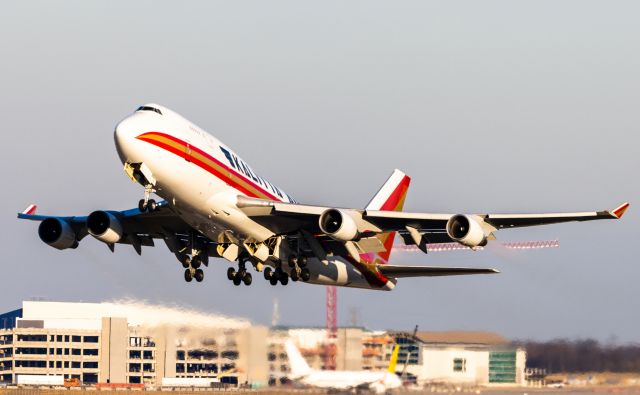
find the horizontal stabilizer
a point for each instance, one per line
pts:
(430, 271)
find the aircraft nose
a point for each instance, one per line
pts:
(124, 136)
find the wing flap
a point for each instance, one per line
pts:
(431, 271)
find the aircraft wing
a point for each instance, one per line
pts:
(415, 228)
(399, 271)
(138, 228)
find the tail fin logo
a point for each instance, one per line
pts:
(394, 359)
(390, 197)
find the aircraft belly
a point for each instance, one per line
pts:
(337, 272)
(204, 201)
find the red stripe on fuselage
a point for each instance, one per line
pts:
(183, 154)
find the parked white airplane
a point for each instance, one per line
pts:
(379, 382)
(216, 205)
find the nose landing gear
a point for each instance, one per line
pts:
(146, 204)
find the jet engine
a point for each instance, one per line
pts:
(57, 233)
(104, 227)
(466, 230)
(338, 224)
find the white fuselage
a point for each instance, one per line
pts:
(379, 381)
(201, 178)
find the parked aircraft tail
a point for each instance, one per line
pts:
(390, 197)
(299, 367)
(394, 359)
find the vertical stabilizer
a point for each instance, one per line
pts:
(299, 367)
(394, 359)
(390, 197)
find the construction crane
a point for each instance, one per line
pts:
(330, 347)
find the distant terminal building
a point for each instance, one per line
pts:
(461, 358)
(140, 344)
(128, 342)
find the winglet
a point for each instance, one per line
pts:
(30, 210)
(618, 212)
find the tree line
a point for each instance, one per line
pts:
(577, 356)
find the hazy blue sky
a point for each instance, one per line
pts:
(489, 106)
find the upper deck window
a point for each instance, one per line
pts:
(146, 108)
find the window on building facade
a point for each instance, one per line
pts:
(90, 351)
(460, 365)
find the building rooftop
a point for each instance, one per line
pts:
(466, 338)
(89, 315)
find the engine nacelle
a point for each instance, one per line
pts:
(466, 230)
(57, 233)
(338, 224)
(104, 227)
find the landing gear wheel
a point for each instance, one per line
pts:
(142, 205)
(188, 276)
(292, 261)
(186, 261)
(284, 279)
(268, 273)
(302, 261)
(199, 275)
(247, 279)
(294, 275)
(231, 273)
(237, 280)
(196, 262)
(152, 205)
(274, 280)
(305, 275)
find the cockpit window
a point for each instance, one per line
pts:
(146, 108)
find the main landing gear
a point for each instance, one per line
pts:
(239, 276)
(298, 271)
(192, 268)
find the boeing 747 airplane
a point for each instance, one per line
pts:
(215, 205)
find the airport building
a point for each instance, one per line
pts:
(461, 358)
(139, 344)
(130, 343)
